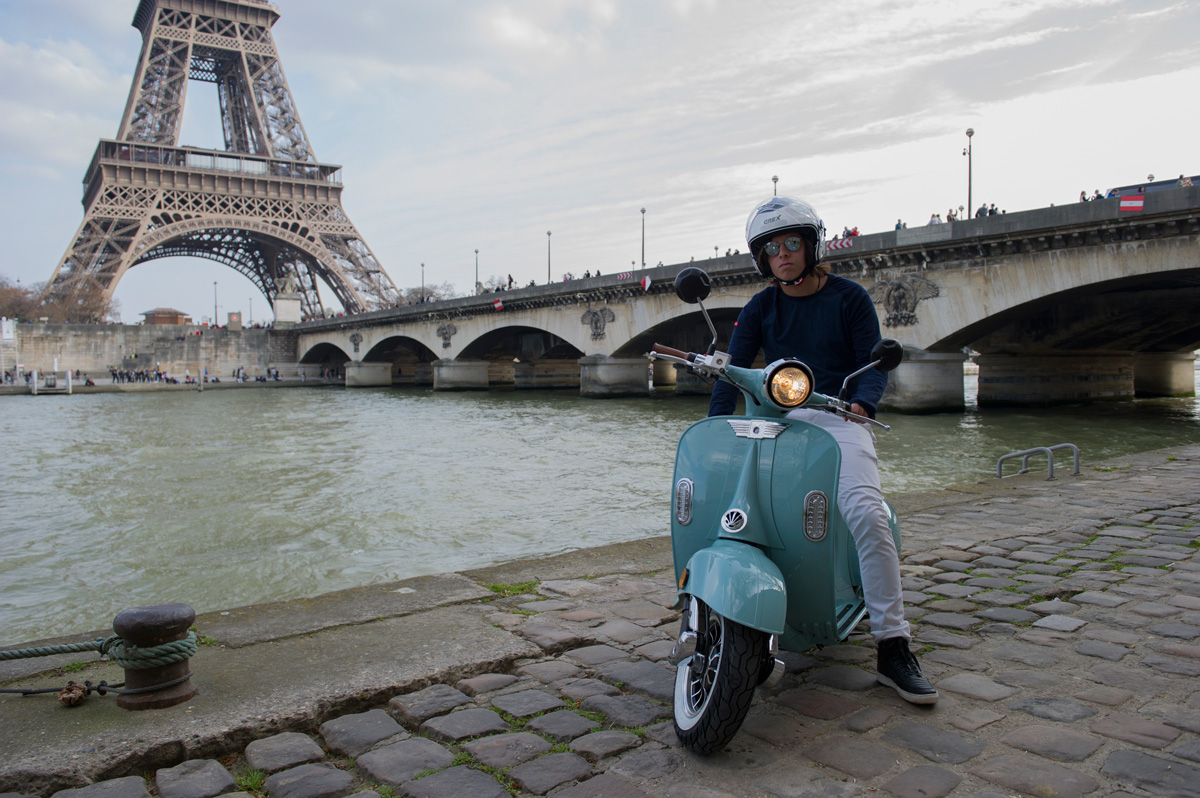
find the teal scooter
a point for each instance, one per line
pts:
(764, 561)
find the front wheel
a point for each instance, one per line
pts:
(714, 686)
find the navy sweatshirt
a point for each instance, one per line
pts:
(832, 331)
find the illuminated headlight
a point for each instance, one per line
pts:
(789, 383)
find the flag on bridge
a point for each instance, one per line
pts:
(497, 304)
(646, 283)
(1133, 202)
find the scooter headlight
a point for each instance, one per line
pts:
(789, 383)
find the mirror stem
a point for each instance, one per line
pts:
(713, 346)
(846, 382)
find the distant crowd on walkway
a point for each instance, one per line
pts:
(121, 376)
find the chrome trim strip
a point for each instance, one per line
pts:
(816, 516)
(684, 490)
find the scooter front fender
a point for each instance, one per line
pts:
(739, 582)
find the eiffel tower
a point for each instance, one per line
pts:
(263, 206)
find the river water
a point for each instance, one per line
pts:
(233, 497)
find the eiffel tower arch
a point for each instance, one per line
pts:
(263, 206)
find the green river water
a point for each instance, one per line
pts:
(227, 498)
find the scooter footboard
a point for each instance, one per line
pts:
(739, 582)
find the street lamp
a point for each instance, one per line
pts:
(643, 238)
(214, 303)
(422, 282)
(476, 272)
(775, 185)
(548, 280)
(715, 250)
(967, 152)
(251, 303)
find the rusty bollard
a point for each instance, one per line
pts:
(153, 626)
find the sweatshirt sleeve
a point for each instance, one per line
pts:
(743, 348)
(864, 326)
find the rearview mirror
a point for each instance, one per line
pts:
(692, 285)
(890, 352)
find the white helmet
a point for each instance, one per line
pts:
(784, 215)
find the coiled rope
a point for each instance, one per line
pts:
(129, 657)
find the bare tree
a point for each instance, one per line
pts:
(434, 292)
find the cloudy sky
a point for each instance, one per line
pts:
(484, 123)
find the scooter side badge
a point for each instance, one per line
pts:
(757, 428)
(816, 515)
(683, 501)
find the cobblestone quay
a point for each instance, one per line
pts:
(1059, 619)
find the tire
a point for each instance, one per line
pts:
(711, 705)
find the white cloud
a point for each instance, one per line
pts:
(485, 124)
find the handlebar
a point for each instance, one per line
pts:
(662, 349)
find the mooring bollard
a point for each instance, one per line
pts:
(144, 627)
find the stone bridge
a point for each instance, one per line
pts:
(1072, 303)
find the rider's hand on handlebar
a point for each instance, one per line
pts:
(858, 410)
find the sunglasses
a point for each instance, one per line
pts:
(793, 244)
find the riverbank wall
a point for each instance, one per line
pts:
(94, 349)
(1060, 619)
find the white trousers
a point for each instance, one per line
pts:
(860, 500)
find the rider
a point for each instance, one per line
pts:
(829, 323)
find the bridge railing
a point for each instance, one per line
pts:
(1046, 227)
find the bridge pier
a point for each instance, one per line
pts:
(545, 374)
(665, 375)
(603, 376)
(687, 384)
(926, 382)
(1165, 374)
(364, 374)
(460, 375)
(1025, 380)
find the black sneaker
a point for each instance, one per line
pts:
(898, 668)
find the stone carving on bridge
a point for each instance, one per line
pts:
(446, 332)
(597, 319)
(356, 339)
(900, 298)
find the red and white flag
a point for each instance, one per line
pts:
(497, 304)
(645, 283)
(1132, 203)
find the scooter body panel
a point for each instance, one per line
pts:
(740, 583)
(784, 480)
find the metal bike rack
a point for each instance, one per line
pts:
(1046, 450)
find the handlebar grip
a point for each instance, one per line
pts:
(661, 349)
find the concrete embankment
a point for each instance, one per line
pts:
(1058, 618)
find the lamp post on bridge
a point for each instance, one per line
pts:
(548, 280)
(214, 303)
(774, 185)
(967, 152)
(643, 238)
(476, 272)
(422, 282)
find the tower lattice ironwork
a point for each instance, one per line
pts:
(263, 206)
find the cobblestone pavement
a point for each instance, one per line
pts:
(1060, 626)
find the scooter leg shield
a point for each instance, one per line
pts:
(739, 582)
